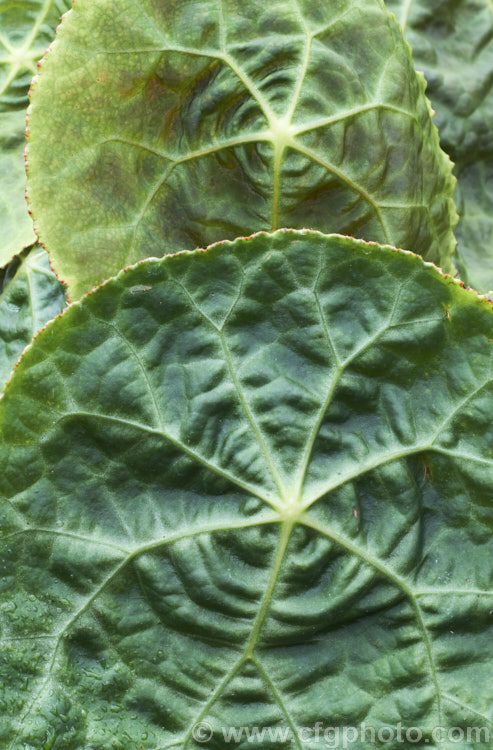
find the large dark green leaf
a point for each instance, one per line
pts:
(250, 486)
(452, 43)
(26, 29)
(30, 295)
(163, 125)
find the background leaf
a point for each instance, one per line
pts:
(157, 126)
(251, 486)
(30, 295)
(452, 43)
(26, 29)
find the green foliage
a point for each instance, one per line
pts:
(30, 295)
(156, 126)
(271, 503)
(249, 486)
(452, 43)
(26, 30)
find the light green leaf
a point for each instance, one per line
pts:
(26, 29)
(157, 126)
(453, 44)
(250, 487)
(30, 295)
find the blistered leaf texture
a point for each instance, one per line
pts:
(453, 44)
(269, 504)
(26, 29)
(30, 295)
(162, 125)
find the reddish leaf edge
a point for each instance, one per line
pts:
(471, 295)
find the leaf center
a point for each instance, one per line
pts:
(291, 511)
(282, 132)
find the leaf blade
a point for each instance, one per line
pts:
(452, 45)
(27, 28)
(30, 295)
(256, 119)
(176, 594)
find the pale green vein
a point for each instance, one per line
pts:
(261, 136)
(255, 632)
(181, 160)
(151, 24)
(314, 433)
(287, 528)
(126, 142)
(39, 22)
(251, 87)
(279, 699)
(280, 145)
(323, 319)
(301, 129)
(459, 408)
(472, 710)
(156, 544)
(463, 456)
(42, 271)
(214, 55)
(390, 575)
(234, 304)
(41, 637)
(28, 59)
(417, 322)
(241, 395)
(451, 592)
(304, 65)
(143, 370)
(37, 697)
(329, 26)
(205, 529)
(87, 604)
(20, 55)
(6, 45)
(13, 507)
(222, 26)
(9, 79)
(347, 181)
(224, 57)
(178, 444)
(405, 13)
(66, 534)
(250, 416)
(340, 370)
(371, 466)
(212, 699)
(155, 190)
(419, 206)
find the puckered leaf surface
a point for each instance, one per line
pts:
(269, 504)
(164, 125)
(30, 295)
(26, 29)
(453, 44)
